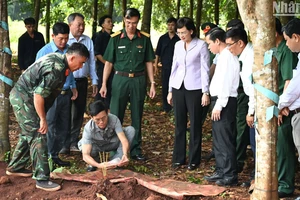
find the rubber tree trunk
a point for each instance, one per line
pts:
(259, 20)
(191, 10)
(37, 7)
(178, 8)
(217, 11)
(48, 3)
(146, 22)
(95, 16)
(5, 69)
(198, 16)
(111, 7)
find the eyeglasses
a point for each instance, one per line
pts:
(102, 119)
(182, 33)
(229, 45)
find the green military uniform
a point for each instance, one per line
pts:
(242, 129)
(44, 77)
(129, 56)
(286, 158)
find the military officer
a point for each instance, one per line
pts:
(130, 52)
(31, 97)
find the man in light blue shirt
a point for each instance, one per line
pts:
(58, 116)
(77, 27)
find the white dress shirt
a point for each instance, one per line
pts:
(89, 67)
(291, 96)
(226, 78)
(247, 58)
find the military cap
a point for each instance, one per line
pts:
(205, 27)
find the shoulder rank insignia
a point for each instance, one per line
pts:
(145, 34)
(115, 34)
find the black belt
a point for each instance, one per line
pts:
(81, 79)
(130, 75)
(297, 110)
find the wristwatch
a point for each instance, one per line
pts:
(206, 93)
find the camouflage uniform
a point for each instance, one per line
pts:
(44, 77)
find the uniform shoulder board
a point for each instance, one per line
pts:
(145, 34)
(115, 34)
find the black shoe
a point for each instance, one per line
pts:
(283, 194)
(139, 157)
(60, 162)
(22, 172)
(90, 168)
(214, 177)
(176, 165)
(246, 184)
(47, 185)
(227, 181)
(65, 151)
(192, 167)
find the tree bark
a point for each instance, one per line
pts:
(37, 7)
(5, 69)
(146, 22)
(191, 10)
(124, 7)
(258, 18)
(198, 16)
(95, 16)
(178, 9)
(48, 2)
(217, 10)
(111, 7)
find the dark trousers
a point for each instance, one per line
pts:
(165, 76)
(126, 89)
(187, 102)
(242, 129)
(286, 157)
(224, 139)
(59, 120)
(108, 86)
(77, 111)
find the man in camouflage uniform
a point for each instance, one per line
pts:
(31, 97)
(130, 52)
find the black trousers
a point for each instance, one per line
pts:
(77, 111)
(165, 76)
(187, 102)
(224, 139)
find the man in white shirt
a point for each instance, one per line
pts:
(289, 101)
(238, 45)
(77, 26)
(223, 90)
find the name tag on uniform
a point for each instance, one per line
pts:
(121, 47)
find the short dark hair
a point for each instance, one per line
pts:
(216, 33)
(172, 19)
(237, 34)
(96, 107)
(29, 21)
(78, 48)
(60, 28)
(72, 17)
(235, 23)
(278, 26)
(102, 19)
(292, 27)
(188, 23)
(132, 12)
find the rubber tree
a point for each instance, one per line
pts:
(146, 21)
(5, 71)
(259, 20)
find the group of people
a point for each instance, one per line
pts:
(49, 99)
